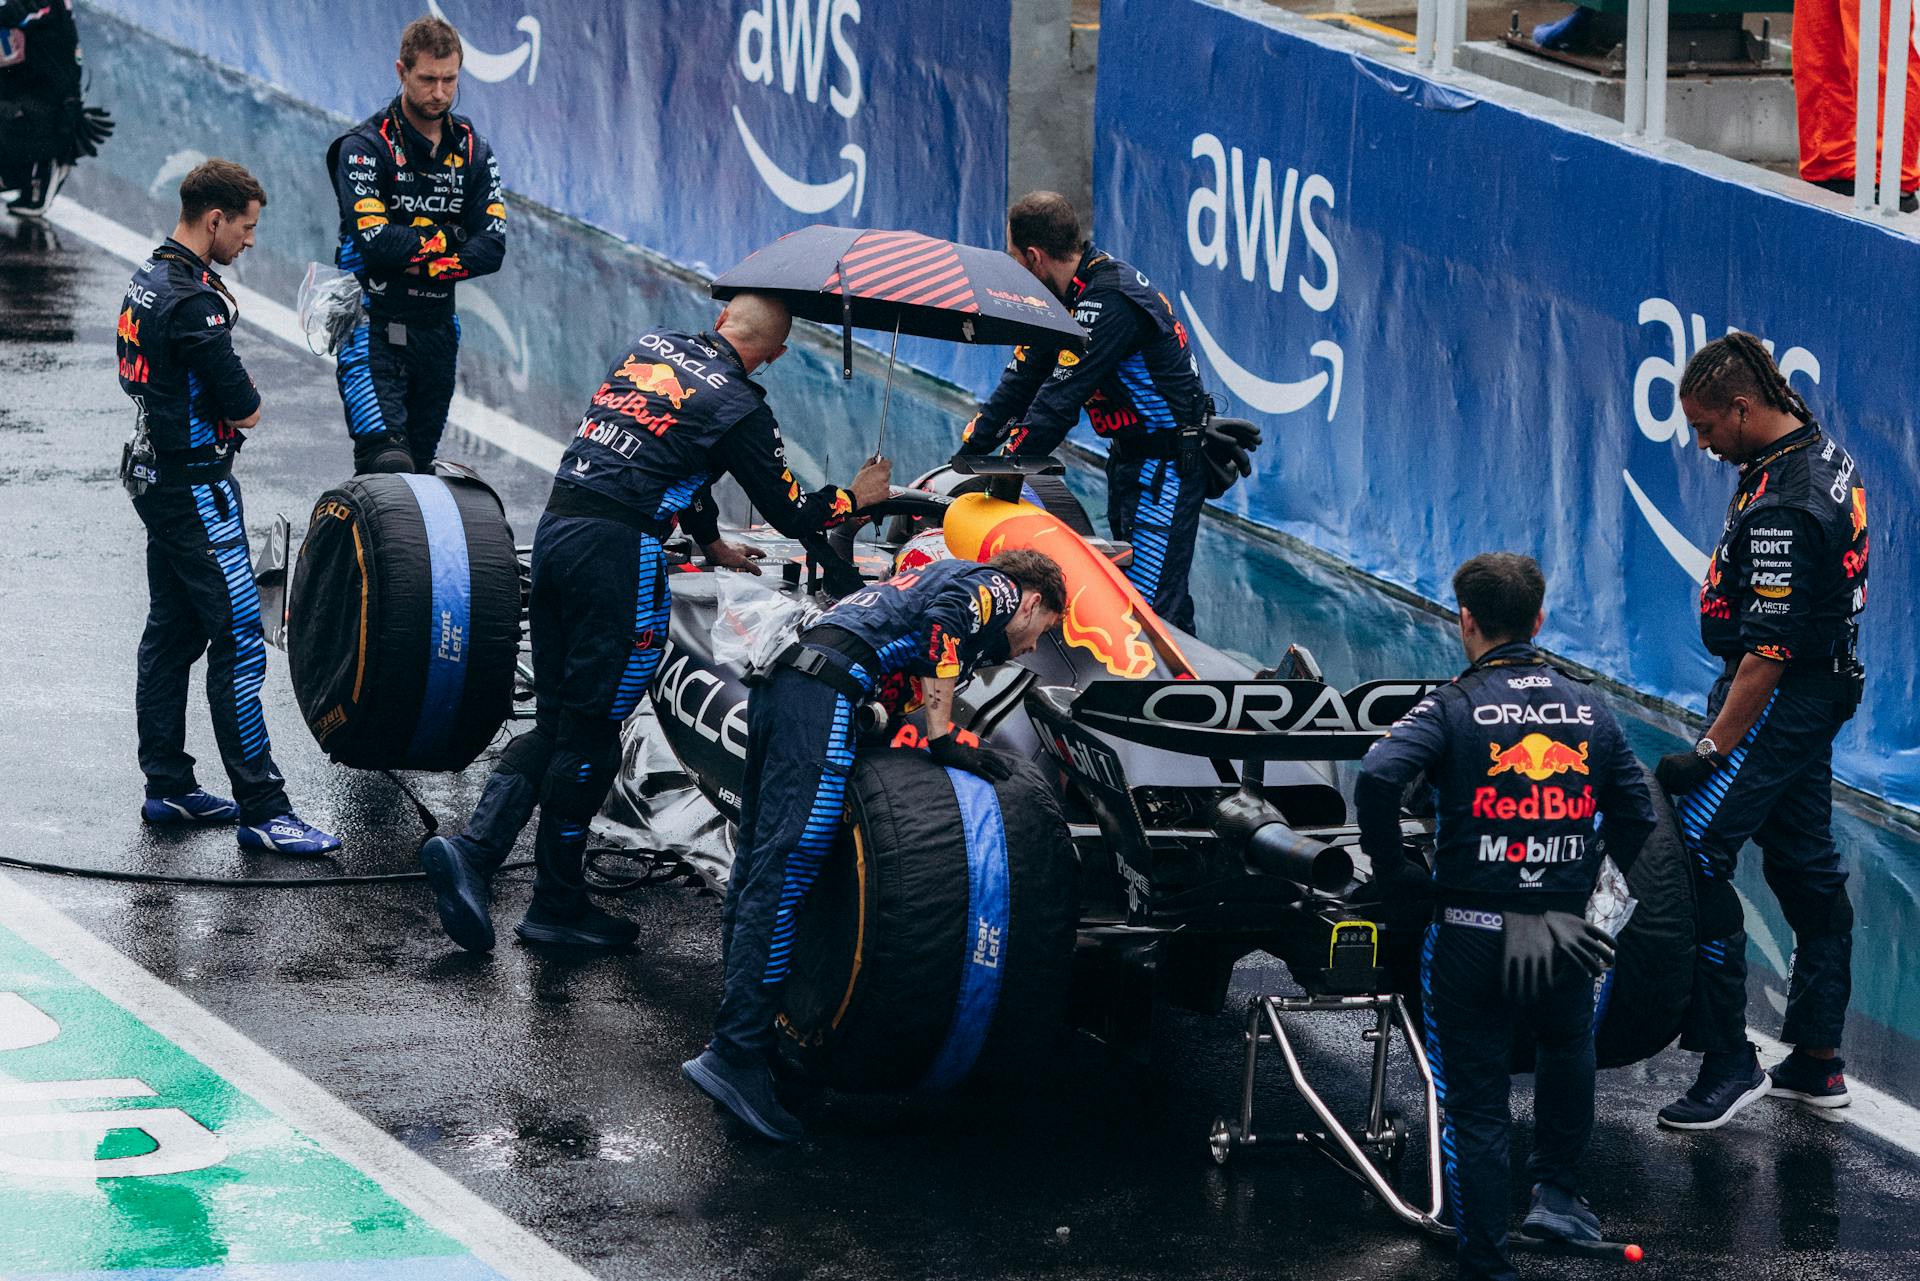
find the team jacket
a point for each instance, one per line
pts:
(39, 50)
(676, 411)
(943, 620)
(1136, 379)
(414, 219)
(1522, 760)
(175, 339)
(1789, 577)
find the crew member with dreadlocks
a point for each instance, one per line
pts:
(1780, 607)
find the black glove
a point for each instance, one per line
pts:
(95, 127)
(1581, 941)
(973, 440)
(1227, 447)
(1681, 772)
(971, 757)
(1529, 952)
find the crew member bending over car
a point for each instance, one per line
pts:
(1138, 384)
(192, 399)
(938, 623)
(675, 411)
(1521, 759)
(1780, 608)
(420, 208)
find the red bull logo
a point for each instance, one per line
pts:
(447, 266)
(434, 245)
(128, 329)
(1536, 757)
(1549, 804)
(656, 380)
(842, 500)
(1859, 511)
(1102, 624)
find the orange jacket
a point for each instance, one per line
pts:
(1826, 39)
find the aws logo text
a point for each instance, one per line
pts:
(1244, 213)
(785, 44)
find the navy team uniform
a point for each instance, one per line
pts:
(414, 219)
(676, 411)
(178, 364)
(1141, 391)
(1787, 581)
(942, 621)
(1523, 759)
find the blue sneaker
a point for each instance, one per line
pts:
(286, 835)
(1728, 1084)
(459, 894)
(745, 1092)
(1559, 1214)
(189, 809)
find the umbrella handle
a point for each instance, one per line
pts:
(846, 323)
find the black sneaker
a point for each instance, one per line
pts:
(745, 1092)
(588, 927)
(1559, 1214)
(1727, 1083)
(1819, 1082)
(42, 185)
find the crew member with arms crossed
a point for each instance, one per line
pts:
(1138, 384)
(420, 208)
(1780, 608)
(938, 623)
(675, 411)
(1521, 759)
(192, 399)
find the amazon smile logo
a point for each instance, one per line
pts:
(1242, 216)
(496, 67)
(801, 47)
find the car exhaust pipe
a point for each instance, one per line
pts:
(1252, 827)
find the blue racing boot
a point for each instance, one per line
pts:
(745, 1092)
(1560, 1214)
(195, 808)
(286, 835)
(460, 894)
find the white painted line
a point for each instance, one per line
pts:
(1875, 1111)
(409, 1178)
(281, 321)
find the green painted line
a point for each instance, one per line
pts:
(126, 1154)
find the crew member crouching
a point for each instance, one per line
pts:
(938, 623)
(1521, 758)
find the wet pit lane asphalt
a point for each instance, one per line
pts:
(549, 1084)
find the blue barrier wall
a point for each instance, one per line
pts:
(1462, 327)
(700, 129)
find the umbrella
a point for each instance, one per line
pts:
(904, 282)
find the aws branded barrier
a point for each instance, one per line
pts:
(700, 129)
(1463, 326)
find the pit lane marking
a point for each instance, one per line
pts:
(441, 1203)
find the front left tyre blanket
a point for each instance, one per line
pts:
(937, 945)
(404, 621)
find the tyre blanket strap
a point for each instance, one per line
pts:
(988, 903)
(447, 623)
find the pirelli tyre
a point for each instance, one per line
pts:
(1643, 999)
(403, 625)
(938, 948)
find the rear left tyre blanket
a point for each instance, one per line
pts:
(404, 622)
(1644, 997)
(936, 946)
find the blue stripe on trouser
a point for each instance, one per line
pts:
(1697, 808)
(1449, 1143)
(652, 603)
(219, 509)
(356, 385)
(447, 619)
(1153, 524)
(802, 864)
(987, 904)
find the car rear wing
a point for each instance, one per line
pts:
(1249, 720)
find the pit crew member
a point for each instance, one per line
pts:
(44, 127)
(938, 623)
(675, 411)
(1780, 608)
(1138, 384)
(192, 399)
(1521, 758)
(420, 208)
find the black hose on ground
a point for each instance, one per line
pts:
(657, 869)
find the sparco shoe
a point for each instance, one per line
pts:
(1820, 1082)
(586, 927)
(286, 835)
(459, 894)
(42, 185)
(1727, 1083)
(189, 808)
(1559, 1214)
(747, 1092)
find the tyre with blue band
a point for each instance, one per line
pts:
(403, 624)
(937, 944)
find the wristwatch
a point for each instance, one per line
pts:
(1706, 749)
